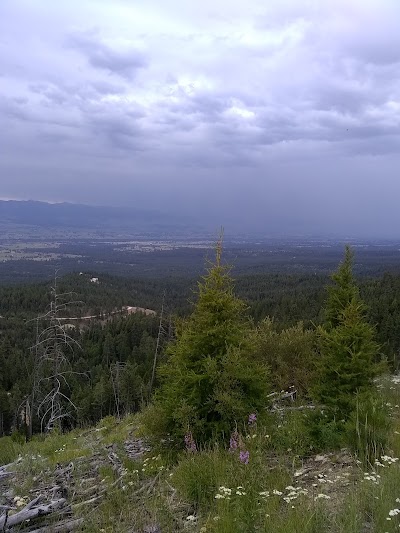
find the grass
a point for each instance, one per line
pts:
(213, 491)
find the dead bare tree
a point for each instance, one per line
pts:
(116, 370)
(161, 333)
(53, 349)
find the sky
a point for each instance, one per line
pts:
(278, 116)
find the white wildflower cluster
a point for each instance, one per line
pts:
(239, 491)
(19, 501)
(394, 512)
(389, 460)
(37, 457)
(322, 497)
(152, 464)
(62, 449)
(322, 478)
(292, 493)
(225, 493)
(190, 520)
(372, 476)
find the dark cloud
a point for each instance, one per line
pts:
(124, 63)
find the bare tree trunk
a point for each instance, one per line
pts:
(160, 332)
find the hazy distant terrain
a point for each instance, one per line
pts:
(29, 217)
(37, 237)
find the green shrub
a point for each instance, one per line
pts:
(292, 433)
(290, 355)
(325, 432)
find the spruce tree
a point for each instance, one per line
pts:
(212, 379)
(347, 349)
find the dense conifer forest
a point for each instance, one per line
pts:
(258, 390)
(127, 343)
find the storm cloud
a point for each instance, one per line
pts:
(280, 116)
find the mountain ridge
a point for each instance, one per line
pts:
(69, 215)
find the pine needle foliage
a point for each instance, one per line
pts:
(212, 379)
(348, 351)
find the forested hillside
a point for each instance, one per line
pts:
(125, 345)
(222, 421)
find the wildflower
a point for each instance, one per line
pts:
(323, 496)
(265, 493)
(277, 492)
(372, 477)
(224, 493)
(190, 443)
(252, 418)
(234, 441)
(394, 512)
(191, 518)
(388, 459)
(244, 457)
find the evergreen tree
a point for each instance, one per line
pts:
(342, 293)
(212, 379)
(348, 351)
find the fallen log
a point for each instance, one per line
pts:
(5, 467)
(31, 511)
(5, 474)
(62, 527)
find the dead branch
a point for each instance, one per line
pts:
(30, 512)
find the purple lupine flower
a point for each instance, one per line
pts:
(190, 443)
(244, 457)
(252, 418)
(234, 441)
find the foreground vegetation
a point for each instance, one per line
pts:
(220, 446)
(284, 487)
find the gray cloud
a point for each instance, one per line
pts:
(270, 107)
(124, 63)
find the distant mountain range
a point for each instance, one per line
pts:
(85, 217)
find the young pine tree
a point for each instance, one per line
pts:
(212, 379)
(348, 351)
